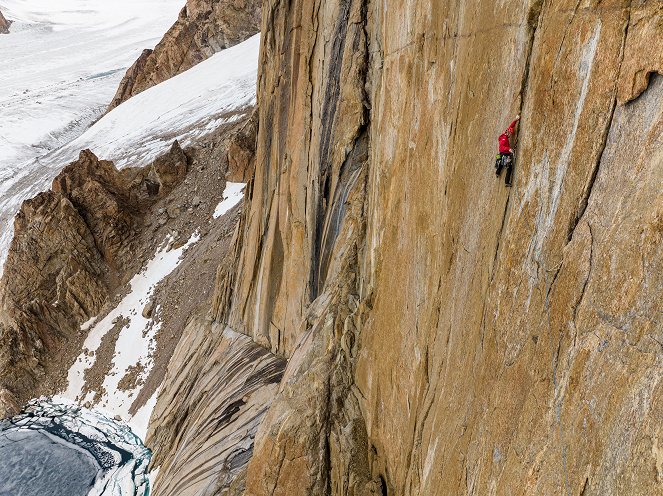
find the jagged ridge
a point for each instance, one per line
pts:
(71, 248)
(204, 27)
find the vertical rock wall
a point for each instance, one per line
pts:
(218, 386)
(311, 144)
(513, 340)
(445, 334)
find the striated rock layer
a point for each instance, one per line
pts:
(204, 27)
(218, 386)
(445, 334)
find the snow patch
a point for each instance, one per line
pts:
(232, 195)
(135, 344)
(152, 477)
(141, 420)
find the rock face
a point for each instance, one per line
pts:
(445, 334)
(4, 24)
(242, 152)
(203, 28)
(70, 249)
(218, 387)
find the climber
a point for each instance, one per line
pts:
(505, 155)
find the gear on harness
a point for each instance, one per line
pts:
(504, 161)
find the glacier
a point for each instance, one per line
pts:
(186, 107)
(56, 447)
(62, 63)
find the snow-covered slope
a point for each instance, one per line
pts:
(135, 344)
(184, 107)
(63, 62)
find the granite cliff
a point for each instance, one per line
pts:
(386, 317)
(445, 334)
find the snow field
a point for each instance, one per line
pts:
(67, 58)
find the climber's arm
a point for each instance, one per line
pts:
(512, 127)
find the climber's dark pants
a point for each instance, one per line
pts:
(504, 160)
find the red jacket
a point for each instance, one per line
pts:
(505, 144)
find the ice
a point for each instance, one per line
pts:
(44, 464)
(135, 344)
(64, 449)
(232, 195)
(63, 62)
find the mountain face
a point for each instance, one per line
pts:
(4, 24)
(204, 27)
(445, 334)
(385, 316)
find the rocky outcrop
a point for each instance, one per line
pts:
(133, 79)
(4, 24)
(218, 387)
(643, 50)
(8, 404)
(242, 151)
(446, 335)
(204, 27)
(71, 248)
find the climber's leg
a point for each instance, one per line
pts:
(499, 164)
(509, 169)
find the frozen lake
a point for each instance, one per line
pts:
(33, 463)
(56, 448)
